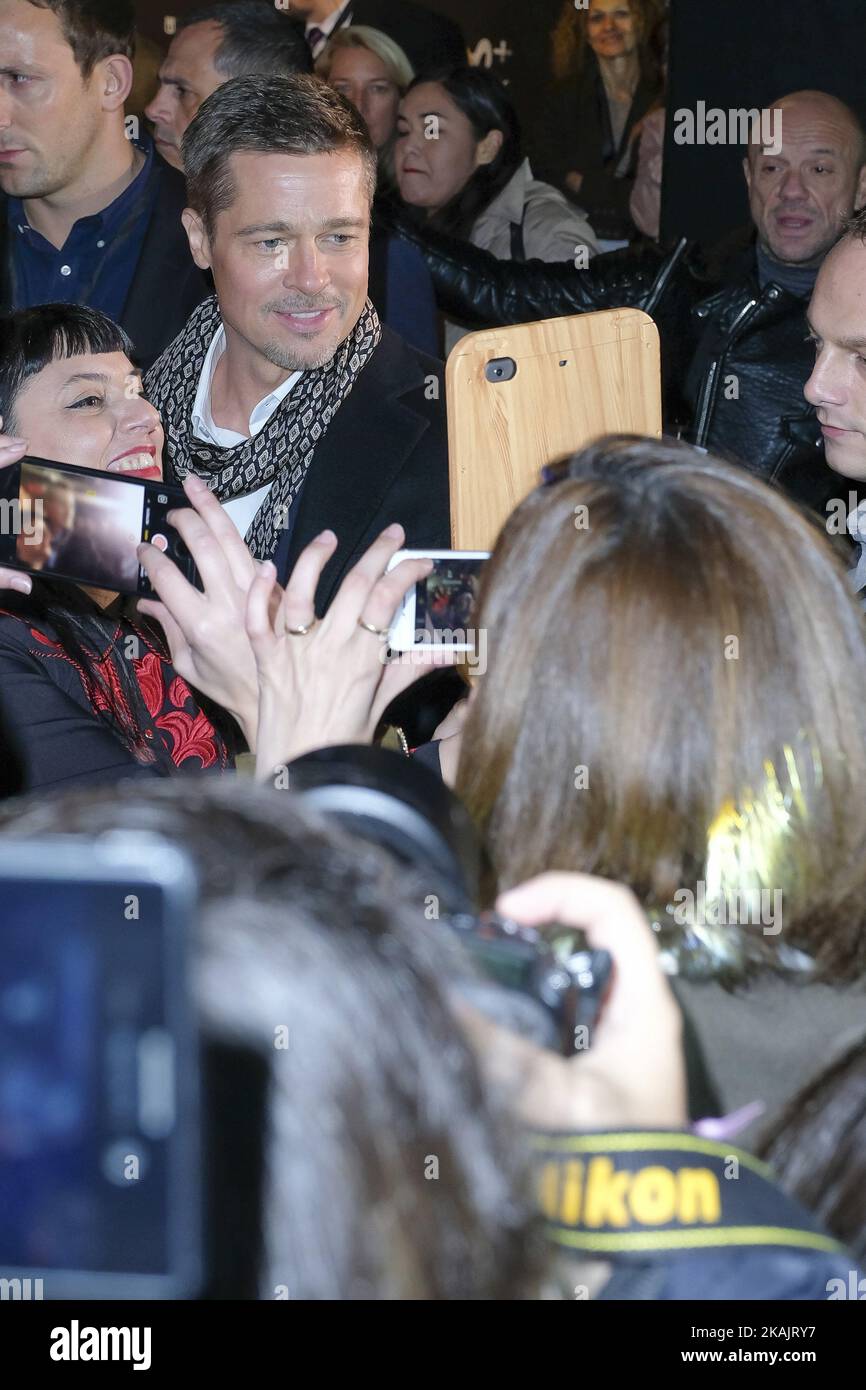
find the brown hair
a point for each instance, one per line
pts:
(817, 1148)
(674, 658)
(94, 29)
(568, 42)
(296, 114)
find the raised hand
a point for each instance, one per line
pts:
(205, 631)
(327, 682)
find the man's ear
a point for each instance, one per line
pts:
(114, 76)
(747, 172)
(199, 242)
(488, 148)
(860, 194)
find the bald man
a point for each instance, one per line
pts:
(736, 361)
(753, 358)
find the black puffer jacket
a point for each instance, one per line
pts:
(733, 370)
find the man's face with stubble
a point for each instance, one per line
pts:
(289, 255)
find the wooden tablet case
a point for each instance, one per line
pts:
(576, 378)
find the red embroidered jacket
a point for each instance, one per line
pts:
(52, 713)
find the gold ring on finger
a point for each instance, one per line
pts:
(383, 633)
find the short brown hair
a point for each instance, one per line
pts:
(94, 29)
(856, 225)
(297, 114)
(619, 722)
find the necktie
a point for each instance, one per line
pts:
(316, 40)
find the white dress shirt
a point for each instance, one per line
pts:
(240, 509)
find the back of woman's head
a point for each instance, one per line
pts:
(486, 104)
(387, 1171)
(674, 693)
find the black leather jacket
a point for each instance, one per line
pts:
(734, 358)
(744, 386)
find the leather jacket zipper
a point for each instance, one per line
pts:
(709, 391)
(660, 284)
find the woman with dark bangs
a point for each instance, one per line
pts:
(90, 689)
(87, 689)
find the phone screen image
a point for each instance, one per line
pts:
(445, 600)
(85, 525)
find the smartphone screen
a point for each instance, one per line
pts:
(84, 525)
(439, 609)
(97, 1088)
(445, 600)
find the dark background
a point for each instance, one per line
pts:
(746, 53)
(509, 36)
(728, 53)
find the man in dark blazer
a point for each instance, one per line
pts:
(429, 40)
(383, 459)
(88, 213)
(283, 391)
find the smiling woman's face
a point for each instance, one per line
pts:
(88, 411)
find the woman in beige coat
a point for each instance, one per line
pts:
(459, 162)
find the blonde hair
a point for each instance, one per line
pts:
(388, 52)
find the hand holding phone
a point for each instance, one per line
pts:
(84, 525)
(205, 625)
(326, 682)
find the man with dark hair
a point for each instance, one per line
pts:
(243, 38)
(88, 216)
(234, 38)
(429, 40)
(284, 391)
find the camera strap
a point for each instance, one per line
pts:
(640, 1193)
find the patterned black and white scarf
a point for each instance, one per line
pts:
(283, 450)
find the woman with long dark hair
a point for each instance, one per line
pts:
(459, 162)
(459, 158)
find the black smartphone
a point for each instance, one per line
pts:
(84, 524)
(99, 1073)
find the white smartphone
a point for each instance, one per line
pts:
(439, 609)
